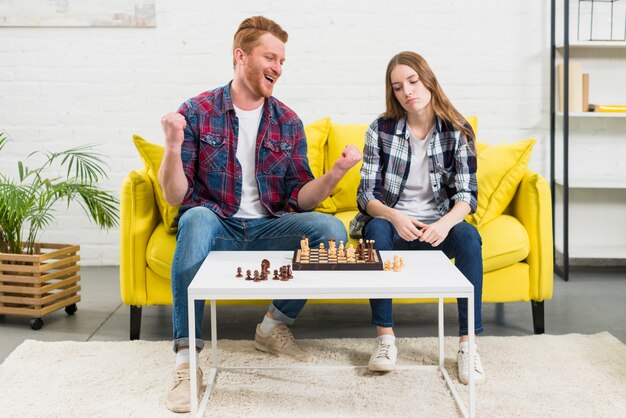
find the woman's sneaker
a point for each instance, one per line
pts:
(462, 359)
(385, 356)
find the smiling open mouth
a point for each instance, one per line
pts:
(269, 78)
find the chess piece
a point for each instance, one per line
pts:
(370, 250)
(332, 248)
(289, 272)
(275, 275)
(256, 275)
(304, 244)
(396, 263)
(401, 262)
(342, 250)
(387, 265)
(283, 273)
(265, 266)
(331, 245)
(239, 272)
(350, 254)
(248, 277)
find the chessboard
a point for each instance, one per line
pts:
(317, 261)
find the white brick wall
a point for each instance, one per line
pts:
(66, 86)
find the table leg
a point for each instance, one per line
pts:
(193, 396)
(471, 327)
(441, 332)
(213, 335)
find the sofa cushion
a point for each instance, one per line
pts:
(473, 121)
(316, 138)
(345, 217)
(505, 242)
(160, 251)
(152, 155)
(500, 169)
(344, 194)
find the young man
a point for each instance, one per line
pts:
(235, 158)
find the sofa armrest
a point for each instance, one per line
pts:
(532, 206)
(139, 216)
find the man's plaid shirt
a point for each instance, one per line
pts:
(209, 149)
(386, 163)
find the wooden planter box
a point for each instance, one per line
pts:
(35, 285)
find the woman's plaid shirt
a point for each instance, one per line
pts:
(386, 164)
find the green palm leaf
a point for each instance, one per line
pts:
(27, 205)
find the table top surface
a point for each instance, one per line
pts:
(425, 274)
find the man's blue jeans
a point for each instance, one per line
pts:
(201, 231)
(463, 243)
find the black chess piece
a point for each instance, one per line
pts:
(248, 277)
(239, 272)
(275, 275)
(265, 266)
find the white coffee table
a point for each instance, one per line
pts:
(426, 274)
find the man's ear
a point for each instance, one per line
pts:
(240, 56)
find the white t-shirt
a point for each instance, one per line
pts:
(250, 206)
(417, 199)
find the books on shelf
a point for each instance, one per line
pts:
(612, 108)
(585, 92)
(575, 89)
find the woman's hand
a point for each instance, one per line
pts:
(435, 233)
(407, 227)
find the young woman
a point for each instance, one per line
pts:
(418, 183)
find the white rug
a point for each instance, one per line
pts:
(531, 376)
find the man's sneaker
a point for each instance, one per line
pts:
(462, 359)
(281, 343)
(178, 399)
(384, 358)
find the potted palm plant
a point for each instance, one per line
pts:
(38, 278)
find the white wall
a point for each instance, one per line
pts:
(66, 86)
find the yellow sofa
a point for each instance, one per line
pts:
(513, 218)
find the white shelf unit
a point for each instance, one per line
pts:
(597, 251)
(586, 149)
(593, 182)
(592, 44)
(594, 114)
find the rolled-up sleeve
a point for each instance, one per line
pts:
(189, 150)
(465, 181)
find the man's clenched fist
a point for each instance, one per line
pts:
(173, 125)
(349, 157)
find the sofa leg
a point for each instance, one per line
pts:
(135, 322)
(500, 313)
(538, 317)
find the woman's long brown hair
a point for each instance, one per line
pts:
(439, 101)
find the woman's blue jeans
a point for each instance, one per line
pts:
(463, 243)
(201, 231)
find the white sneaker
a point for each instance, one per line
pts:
(462, 359)
(384, 358)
